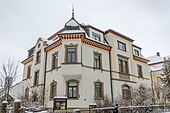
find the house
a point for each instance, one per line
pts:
(84, 64)
(15, 92)
(156, 70)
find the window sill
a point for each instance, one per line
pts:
(95, 68)
(53, 69)
(98, 98)
(28, 78)
(122, 50)
(69, 98)
(37, 63)
(70, 63)
(37, 85)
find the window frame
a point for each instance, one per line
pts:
(54, 63)
(140, 71)
(126, 93)
(72, 87)
(38, 56)
(53, 92)
(36, 77)
(136, 52)
(121, 46)
(96, 37)
(27, 93)
(29, 71)
(99, 60)
(101, 96)
(124, 65)
(66, 54)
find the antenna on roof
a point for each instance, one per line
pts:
(72, 10)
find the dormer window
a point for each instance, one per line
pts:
(96, 37)
(136, 52)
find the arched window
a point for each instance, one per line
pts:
(72, 88)
(99, 90)
(27, 93)
(53, 89)
(126, 92)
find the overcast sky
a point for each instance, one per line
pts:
(22, 22)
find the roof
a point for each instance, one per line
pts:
(155, 59)
(118, 34)
(156, 62)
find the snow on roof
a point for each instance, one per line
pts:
(156, 67)
(72, 31)
(155, 59)
(72, 22)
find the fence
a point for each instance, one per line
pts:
(125, 109)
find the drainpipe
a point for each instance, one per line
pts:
(110, 74)
(44, 77)
(152, 88)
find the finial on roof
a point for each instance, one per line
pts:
(73, 11)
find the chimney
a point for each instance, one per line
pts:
(158, 54)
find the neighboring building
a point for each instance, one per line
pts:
(156, 70)
(83, 63)
(15, 92)
(129, 68)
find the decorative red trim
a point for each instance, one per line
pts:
(140, 59)
(27, 60)
(71, 36)
(95, 44)
(54, 45)
(118, 34)
(54, 35)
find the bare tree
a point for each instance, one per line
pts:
(166, 79)
(35, 101)
(105, 102)
(8, 75)
(141, 95)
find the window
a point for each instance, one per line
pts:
(30, 52)
(123, 66)
(126, 92)
(121, 46)
(27, 93)
(136, 52)
(53, 89)
(97, 60)
(71, 54)
(96, 37)
(99, 90)
(36, 78)
(54, 60)
(38, 57)
(29, 71)
(39, 45)
(139, 68)
(72, 89)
